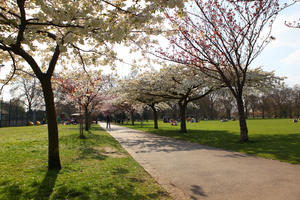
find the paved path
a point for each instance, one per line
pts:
(192, 171)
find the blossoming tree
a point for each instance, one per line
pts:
(85, 89)
(133, 89)
(180, 84)
(222, 38)
(44, 33)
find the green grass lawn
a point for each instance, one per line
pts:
(270, 138)
(93, 168)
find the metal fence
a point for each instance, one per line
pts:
(13, 114)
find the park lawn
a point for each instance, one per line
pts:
(277, 139)
(93, 168)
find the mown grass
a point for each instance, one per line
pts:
(93, 168)
(277, 139)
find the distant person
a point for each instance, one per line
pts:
(295, 120)
(108, 122)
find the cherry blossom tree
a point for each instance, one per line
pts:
(222, 38)
(181, 84)
(85, 89)
(123, 103)
(43, 34)
(136, 89)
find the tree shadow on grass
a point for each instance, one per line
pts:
(91, 139)
(10, 191)
(112, 191)
(64, 192)
(119, 171)
(109, 191)
(46, 187)
(88, 152)
(92, 146)
(284, 147)
(281, 147)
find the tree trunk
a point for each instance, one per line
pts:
(86, 114)
(80, 124)
(246, 111)
(182, 109)
(228, 113)
(53, 147)
(132, 118)
(263, 112)
(211, 110)
(242, 120)
(154, 116)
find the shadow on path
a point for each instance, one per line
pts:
(197, 190)
(145, 142)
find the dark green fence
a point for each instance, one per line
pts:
(14, 114)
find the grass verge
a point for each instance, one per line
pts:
(93, 168)
(277, 139)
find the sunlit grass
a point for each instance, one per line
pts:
(93, 168)
(270, 138)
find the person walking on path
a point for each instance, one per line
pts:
(108, 122)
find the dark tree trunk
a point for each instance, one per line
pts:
(29, 115)
(228, 113)
(154, 116)
(211, 110)
(246, 111)
(81, 135)
(53, 147)
(242, 120)
(132, 118)
(86, 113)
(263, 112)
(182, 109)
(80, 124)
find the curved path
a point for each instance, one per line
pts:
(193, 171)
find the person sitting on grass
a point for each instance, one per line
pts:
(173, 122)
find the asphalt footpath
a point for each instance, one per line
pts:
(193, 171)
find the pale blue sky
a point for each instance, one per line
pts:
(283, 54)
